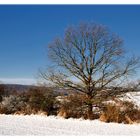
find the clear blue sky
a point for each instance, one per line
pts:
(26, 30)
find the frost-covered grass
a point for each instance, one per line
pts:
(43, 125)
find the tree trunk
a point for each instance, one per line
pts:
(89, 113)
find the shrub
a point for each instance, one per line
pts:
(74, 106)
(11, 104)
(128, 113)
(131, 111)
(38, 99)
(110, 113)
(41, 99)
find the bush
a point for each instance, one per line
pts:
(110, 113)
(11, 104)
(38, 99)
(74, 106)
(126, 113)
(3, 110)
(131, 111)
(41, 99)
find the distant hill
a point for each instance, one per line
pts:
(17, 87)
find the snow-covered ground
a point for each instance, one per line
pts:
(134, 97)
(43, 125)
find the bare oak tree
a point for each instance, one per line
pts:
(90, 59)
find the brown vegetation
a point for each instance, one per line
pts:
(41, 100)
(37, 99)
(75, 106)
(126, 113)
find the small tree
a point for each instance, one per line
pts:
(90, 59)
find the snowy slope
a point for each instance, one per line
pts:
(135, 97)
(43, 125)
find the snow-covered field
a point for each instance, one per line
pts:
(43, 125)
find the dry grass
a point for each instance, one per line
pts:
(126, 113)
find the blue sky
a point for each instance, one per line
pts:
(26, 30)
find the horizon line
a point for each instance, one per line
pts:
(22, 81)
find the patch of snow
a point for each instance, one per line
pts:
(134, 97)
(43, 125)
